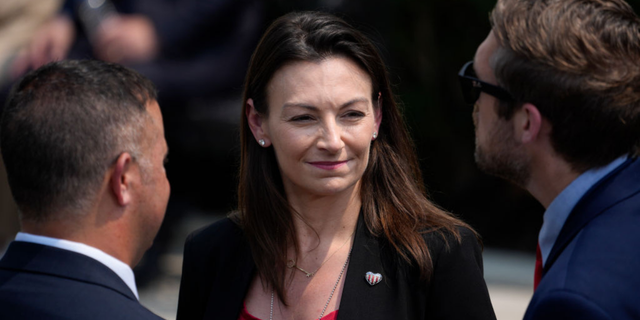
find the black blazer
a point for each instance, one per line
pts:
(218, 268)
(43, 282)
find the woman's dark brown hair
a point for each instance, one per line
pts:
(393, 196)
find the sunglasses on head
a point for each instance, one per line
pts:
(472, 86)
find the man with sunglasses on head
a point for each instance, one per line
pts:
(556, 95)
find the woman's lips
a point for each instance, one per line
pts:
(328, 165)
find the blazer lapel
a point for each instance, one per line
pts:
(617, 186)
(36, 258)
(360, 300)
(236, 278)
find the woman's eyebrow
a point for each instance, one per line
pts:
(314, 108)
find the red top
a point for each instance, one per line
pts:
(245, 315)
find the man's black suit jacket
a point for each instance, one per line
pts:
(218, 269)
(43, 282)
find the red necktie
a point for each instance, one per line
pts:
(538, 274)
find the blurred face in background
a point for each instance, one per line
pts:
(321, 124)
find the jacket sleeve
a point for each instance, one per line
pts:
(566, 305)
(457, 287)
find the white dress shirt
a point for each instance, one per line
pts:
(120, 268)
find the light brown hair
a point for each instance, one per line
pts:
(578, 62)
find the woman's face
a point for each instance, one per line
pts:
(321, 123)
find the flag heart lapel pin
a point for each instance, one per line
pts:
(373, 278)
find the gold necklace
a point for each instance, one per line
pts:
(292, 264)
(332, 290)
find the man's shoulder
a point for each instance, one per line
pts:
(31, 259)
(597, 270)
(563, 304)
(68, 301)
(38, 292)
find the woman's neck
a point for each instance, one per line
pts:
(325, 219)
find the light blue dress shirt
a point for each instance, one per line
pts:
(560, 208)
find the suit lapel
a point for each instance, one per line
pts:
(36, 258)
(235, 279)
(620, 184)
(359, 299)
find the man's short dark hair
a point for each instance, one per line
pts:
(63, 126)
(578, 62)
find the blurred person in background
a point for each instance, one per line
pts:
(83, 143)
(333, 222)
(19, 21)
(196, 53)
(192, 47)
(556, 88)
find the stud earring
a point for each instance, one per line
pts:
(375, 135)
(261, 142)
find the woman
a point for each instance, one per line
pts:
(332, 221)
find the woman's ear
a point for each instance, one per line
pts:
(378, 112)
(256, 124)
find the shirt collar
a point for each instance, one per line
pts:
(120, 268)
(558, 211)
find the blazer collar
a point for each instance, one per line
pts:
(617, 186)
(227, 304)
(37, 258)
(360, 300)
(357, 295)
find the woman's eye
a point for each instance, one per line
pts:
(354, 115)
(304, 117)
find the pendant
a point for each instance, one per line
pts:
(373, 278)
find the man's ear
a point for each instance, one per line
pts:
(528, 123)
(256, 124)
(121, 179)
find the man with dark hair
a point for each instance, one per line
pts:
(556, 88)
(83, 144)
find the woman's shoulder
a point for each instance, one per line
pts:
(457, 286)
(223, 233)
(445, 242)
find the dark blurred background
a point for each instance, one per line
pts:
(197, 51)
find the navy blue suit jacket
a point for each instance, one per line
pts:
(593, 270)
(43, 282)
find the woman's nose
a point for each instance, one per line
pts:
(331, 137)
